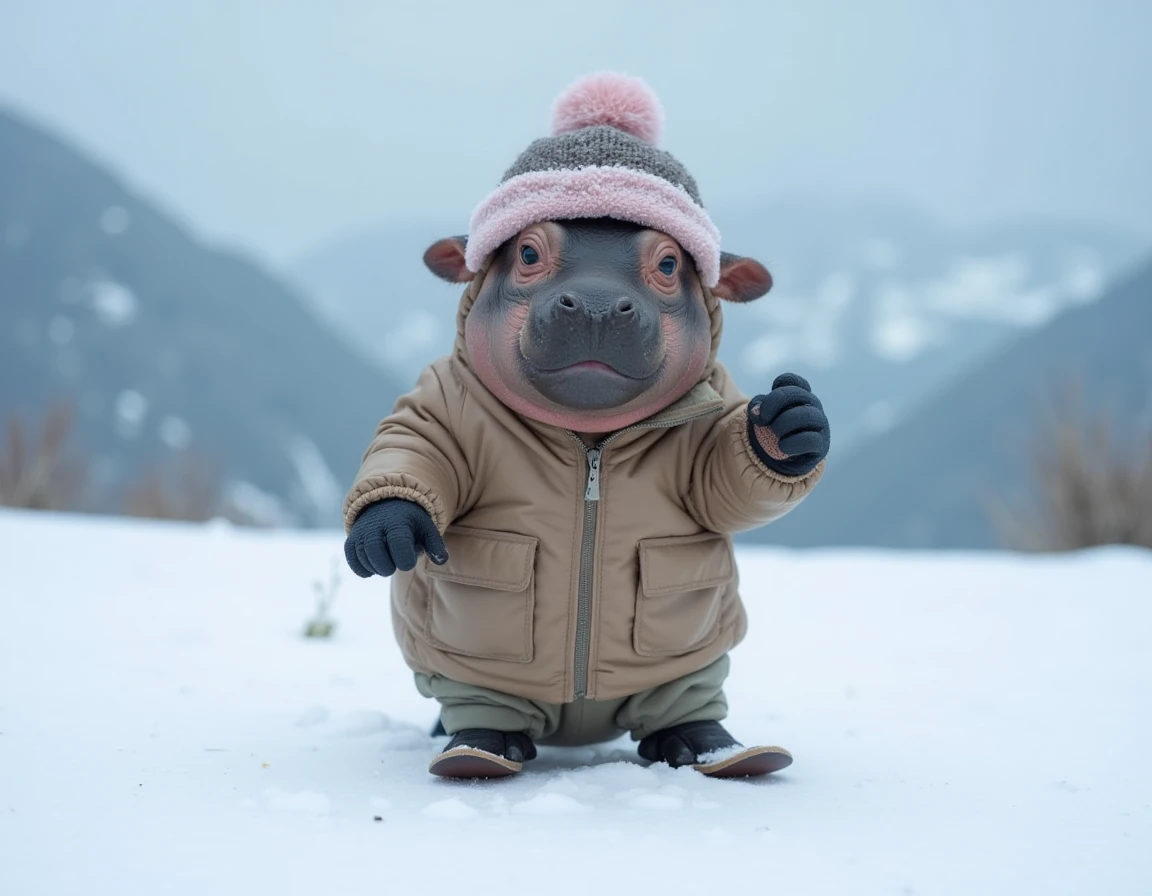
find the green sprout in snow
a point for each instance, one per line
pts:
(322, 624)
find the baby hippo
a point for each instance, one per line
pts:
(555, 500)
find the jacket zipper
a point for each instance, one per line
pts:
(587, 555)
(594, 458)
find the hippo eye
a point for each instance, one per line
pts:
(667, 265)
(528, 255)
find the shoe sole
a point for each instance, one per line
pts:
(465, 763)
(751, 763)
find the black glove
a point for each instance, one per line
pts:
(787, 427)
(388, 535)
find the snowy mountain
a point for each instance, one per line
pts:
(878, 306)
(961, 724)
(168, 348)
(926, 482)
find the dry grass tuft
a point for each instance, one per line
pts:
(1089, 487)
(37, 469)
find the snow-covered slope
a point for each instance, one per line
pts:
(961, 724)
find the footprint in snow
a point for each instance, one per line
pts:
(550, 804)
(316, 715)
(568, 785)
(308, 802)
(360, 724)
(451, 808)
(656, 801)
(370, 723)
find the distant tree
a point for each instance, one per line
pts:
(1090, 486)
(187, 487)
(38, 468)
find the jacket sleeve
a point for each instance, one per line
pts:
(415, 454)
(730, 489)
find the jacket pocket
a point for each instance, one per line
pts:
(682, 586)
(480, 603)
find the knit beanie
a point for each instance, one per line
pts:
(602, 161)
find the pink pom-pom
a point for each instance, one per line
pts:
(609, 98)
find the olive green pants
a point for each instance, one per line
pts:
(694, 698)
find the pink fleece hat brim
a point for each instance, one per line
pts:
(594, 192)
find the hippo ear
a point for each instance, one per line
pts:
(741, 279)
(445, 259)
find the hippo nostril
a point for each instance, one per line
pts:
(625, 306)
(567, 302)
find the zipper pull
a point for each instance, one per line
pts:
(592, 490)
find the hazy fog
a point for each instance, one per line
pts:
(281, 124)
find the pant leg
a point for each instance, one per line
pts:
(471, 706)
(696, 697)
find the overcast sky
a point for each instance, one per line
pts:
(279, 125)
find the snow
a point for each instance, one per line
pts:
(803, 330)
(961, 723)
(175, 432)
(899, 330)
(1001, 288)
(131, 407)
(905, 317)
(449, 809)
(306, 801)
(115, 304)
(721, 754)
(1084, 281)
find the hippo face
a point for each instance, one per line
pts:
(591, 325)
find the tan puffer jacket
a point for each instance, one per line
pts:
(572, 572)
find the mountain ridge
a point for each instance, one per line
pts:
(935, 472)
(167, 345)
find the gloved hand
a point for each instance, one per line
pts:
(787, 427)
(388, 535)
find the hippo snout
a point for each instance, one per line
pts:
(570, 303)
(571, 327)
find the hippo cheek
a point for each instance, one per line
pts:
(686, 358)
(493, 349)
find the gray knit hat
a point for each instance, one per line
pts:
(601, 161)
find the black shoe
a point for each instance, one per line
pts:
(483, 753)
(684, 744)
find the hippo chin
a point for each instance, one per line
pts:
(586, 386)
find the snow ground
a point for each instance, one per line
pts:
(961, 724)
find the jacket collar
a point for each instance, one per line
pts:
(700, 401)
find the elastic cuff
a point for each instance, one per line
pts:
(384, 492)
